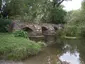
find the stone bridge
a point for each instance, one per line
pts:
(38, 30)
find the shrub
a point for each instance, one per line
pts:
(4, 25)
(20, 33)
(60, 33)
(70, 31)
(82, 32)
(17, 48)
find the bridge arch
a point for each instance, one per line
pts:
(44, 30)
(56, 28)
(28, 29)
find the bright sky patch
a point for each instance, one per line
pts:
(72, 5)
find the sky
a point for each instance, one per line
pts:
(72, 5)
(72, 58)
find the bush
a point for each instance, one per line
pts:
(17, 48)
(20, 33)
(70, 31)
(82, 32)
(78, 31)
(60, 33)
(4, 25)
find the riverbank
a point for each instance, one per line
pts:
(17, 48)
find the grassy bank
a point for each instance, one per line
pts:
(17, 48)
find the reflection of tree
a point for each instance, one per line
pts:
(73, 46)
(53, 53)
(59, 46)
(81, 50)
(70, 46)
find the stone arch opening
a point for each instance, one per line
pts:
(27, 29)
(44, 30)
(55, 28)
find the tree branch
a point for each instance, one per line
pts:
(59, 3)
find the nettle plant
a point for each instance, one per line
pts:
(21, 33)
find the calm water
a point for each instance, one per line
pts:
(71, 51)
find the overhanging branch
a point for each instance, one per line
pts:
(59, 3)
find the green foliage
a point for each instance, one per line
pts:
(0, 4)
(53, 14)
(4, 25)
(17, 48)
(34, 10)
(76, 22)
(20, 33)
(70, 31)
(57, 15)
(14, 8)
(82, 33)
(83, 5)
(60, 33)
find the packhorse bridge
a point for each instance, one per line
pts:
(38, 30)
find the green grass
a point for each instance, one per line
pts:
(17, 48)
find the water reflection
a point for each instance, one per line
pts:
(47, 56)
(63, 52)
(71, 58)
(74, 51)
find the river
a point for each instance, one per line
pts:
(63, 52)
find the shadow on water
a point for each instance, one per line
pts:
(63, 52)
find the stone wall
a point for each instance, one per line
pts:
(36, 29)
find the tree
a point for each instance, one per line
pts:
(54, 14)
(34, 10)
(76, 22)
(57, 2)
(13, 7)
(0, 6)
